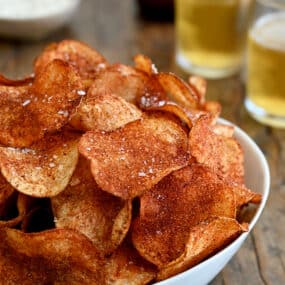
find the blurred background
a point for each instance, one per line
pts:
(121, 29)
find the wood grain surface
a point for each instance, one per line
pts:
(115, 29)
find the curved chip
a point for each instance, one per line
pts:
(144, 63)
(6, 191)
(126, 266)
(128, 83)
(130, 160)
(223, 154)
(172, 207)
(44, 169)
(86, 60)
(10, 216)
(83, 206)
(105, 112)
(187, 116)
(223, 130)
(174, 109)
(54, 95)
(200, 84)
(177, 90)
(214, 108)
(245, 196)
(27, 112)
(57, 256)
(204, 240)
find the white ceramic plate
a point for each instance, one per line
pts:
(257, 178)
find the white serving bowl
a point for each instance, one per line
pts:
(37, 25)
(257, 178)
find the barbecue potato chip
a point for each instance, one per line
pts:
(83, 206)
(214, 108)
(130, 160)
(245, 196)
(223, 130)
(187, 116)
(58, 256)
(6, 191)
(44, 169)
(173, 108)
(54, 95)
(86, 60)
(27, 112)
(177, 90)
(144, 63)
(204, 240)
(200, 84)
(223, 154)
(126, 82)
(10, 217)
(105, 112)
(126, 266)
(8, 209)
(172, 207)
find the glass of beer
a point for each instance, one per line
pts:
(265, 99)
(211, 35)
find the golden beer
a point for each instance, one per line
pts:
(266, 70)
(211, 35)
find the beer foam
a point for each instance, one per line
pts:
(269, 31)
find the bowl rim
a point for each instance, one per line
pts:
(72, 5)
(264, 191)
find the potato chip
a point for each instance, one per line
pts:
(223, 154)
(57, 256)
(54, 95)
(214, 108)
(198, 83)
(177, 90)
(173, 108)
(172, 207)
(6, 191)
(130, 160)
(128, 83)
(223, 130)
(27, 112)
(12, 222)
(83, 206)
(187, 116)
(15, 208)
(44, 169)
(9, 215)
(144, 63)
(245, 196)
(25, 203)
(204, 240)
(86, 60)
(126, 266)
(105, 112)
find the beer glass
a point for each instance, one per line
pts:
(211, 35)
(265, 99)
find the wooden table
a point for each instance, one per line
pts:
(115, 29)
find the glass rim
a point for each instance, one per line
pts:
(273, 3)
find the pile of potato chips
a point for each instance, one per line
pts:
(112, 174)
